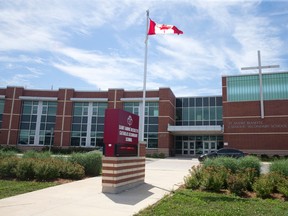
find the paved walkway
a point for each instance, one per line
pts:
(85, 197)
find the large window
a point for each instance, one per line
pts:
(37, 122)
(247, 88)
(88, 124)
(199, 111)
(1, 111)
(151, 120)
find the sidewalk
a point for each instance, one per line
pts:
(85, 197)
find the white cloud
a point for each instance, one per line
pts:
(104, 71)
(219, 38)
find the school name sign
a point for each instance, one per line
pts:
(121, 132)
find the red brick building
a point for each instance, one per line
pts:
(245, 127)
(76, 118)
(185, 126)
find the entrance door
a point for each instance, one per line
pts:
(209, 147)
(188, 148)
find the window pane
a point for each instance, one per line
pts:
(212, 113)
(198, 102)
(185, 114)
(52, 110)
(192, 114)
(27, 109)
(198, 114)
(206, 113)
(78, 111)
(219, 113)
(101, 111)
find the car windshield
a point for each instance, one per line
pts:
(228, 151)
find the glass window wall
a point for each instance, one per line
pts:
(88, 124)
(199, 111)
(247, 88)
(151, 120)
(37, 122)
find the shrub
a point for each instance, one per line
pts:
(250, 162)
(5, 154)
(156, 155)
(241, 181)
(8, 166)
(92, 162)
(275, 178)
(35, 154)
(263, 186)
(280, 166)
(70, 150)
(10, 149)
(214, 178)
(193, 180)
(47, 169)
(227, 162)
(250, 176)
(282, 186)
(72, 171)
(237, 183)
(25, 169)
(264, 157)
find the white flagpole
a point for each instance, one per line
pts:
(144, 80)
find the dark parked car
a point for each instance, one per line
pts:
(226, 152)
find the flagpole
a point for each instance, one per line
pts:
(144, 80)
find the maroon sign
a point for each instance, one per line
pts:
(120, 127)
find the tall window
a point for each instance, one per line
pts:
(37, 122)
(1, 111)
(151, 120)
(199, 111)
(88, 124)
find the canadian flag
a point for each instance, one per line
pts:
(155, 28)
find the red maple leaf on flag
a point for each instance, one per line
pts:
(165, 27)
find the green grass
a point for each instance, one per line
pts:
(188, 202)
(11, 188)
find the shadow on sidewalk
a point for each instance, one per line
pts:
(133, 195)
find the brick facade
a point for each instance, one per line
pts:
(245, 129)
(9, 132)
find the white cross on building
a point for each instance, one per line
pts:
(260, 67)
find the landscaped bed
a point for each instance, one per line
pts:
(228, 186)
(41, 166)
(189, 202)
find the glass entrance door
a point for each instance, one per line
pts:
(209, 147)
(188, 148)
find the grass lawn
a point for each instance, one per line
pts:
(188, 202)
(10, 188)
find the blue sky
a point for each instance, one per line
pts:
(93, 45)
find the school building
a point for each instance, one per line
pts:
(176, 126)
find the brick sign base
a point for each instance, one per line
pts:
(122, 173)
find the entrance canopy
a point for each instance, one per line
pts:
(193, 130)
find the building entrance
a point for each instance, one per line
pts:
(188, 148)
(197, 145)
(209, 147)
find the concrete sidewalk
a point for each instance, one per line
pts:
(85, 197)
